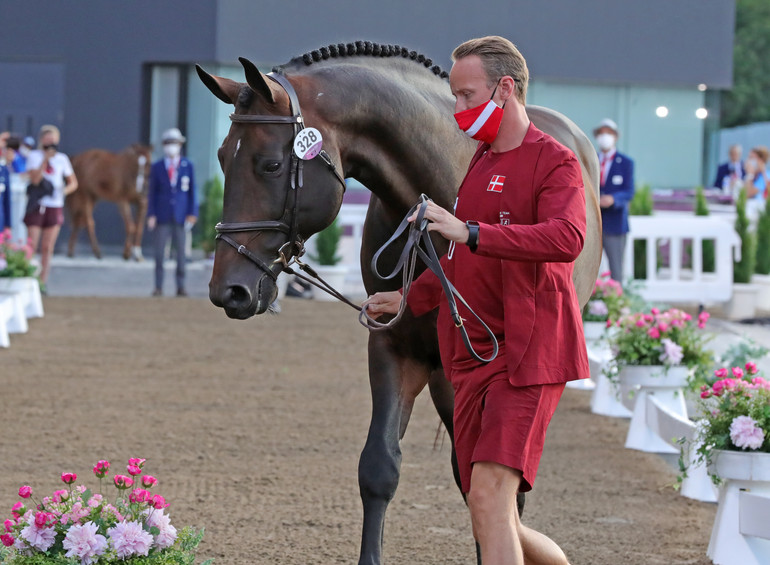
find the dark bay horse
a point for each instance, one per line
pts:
(385, 115)
(118, 177)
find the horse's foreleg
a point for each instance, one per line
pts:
(128, 221)
(141, 216)
(88, 220)
(395, 382)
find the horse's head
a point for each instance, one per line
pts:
(273, 199)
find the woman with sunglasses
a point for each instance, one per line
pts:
(45, 219)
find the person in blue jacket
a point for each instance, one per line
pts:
(5, 196)
(172, 206)
(616, 189)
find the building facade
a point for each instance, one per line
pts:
(110, 74)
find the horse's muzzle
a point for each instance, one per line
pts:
(240, 303)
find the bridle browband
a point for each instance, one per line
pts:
(288, 224)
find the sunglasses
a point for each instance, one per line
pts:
(50, 146)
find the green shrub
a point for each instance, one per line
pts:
(327, 242)
(641, 205)
(708, 245)
(763, 241)
(743, 269)
(210, 213)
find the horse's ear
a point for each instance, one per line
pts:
(223, 88)
(256, 80)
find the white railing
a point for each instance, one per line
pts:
(677, 235)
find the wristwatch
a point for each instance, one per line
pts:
(473, 235)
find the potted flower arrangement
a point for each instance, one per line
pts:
(606, 305)
(327, 245)
(76, 525)
(15, 257)
(662, 341)
(733, 439)
(735, 417)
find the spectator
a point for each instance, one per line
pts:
(730, 174)
(616, 187)
(172, 207)
(16, 161)
(756, 181)
(5, 194)
(45, 217)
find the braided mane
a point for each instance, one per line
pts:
(359, 48)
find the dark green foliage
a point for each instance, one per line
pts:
(708, 245)
(327, 243)
(748, 102)
(743, 269)
(210, 214)
(641, 205)
(763, 241)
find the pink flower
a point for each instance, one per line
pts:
(654, 311)
(672, 352)
(128, 538)
(85, 543)
(609, 323)
(705, 394)
(123, 482)
(137, 462)
(17, 510)
(8, 525)
(663, 327)
(148, 481)
(139, 495)
(95, 501)
(7, 540)
(69, 478)
(44, 519)
(158, 502)
(737, 372)
(745, 433)
(653, 333)
(605, 274)
(101, 468)
(751, 368)
(167, 535)
(60, 495)
(720, 373)
(25, 491)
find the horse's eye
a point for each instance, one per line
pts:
(272, 167)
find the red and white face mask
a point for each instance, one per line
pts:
(483, 121)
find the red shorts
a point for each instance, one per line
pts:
(498, 422)
(45, 217)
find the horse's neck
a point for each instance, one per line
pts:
(398, 141)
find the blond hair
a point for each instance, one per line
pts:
(762, 152)
(500, 58)
(46, 129)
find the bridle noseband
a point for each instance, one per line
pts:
(288, 224)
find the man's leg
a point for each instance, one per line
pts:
(179, 239)
(161, 237)
(496, 525)
(614, 246)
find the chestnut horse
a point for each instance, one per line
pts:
(385, 115)
(118, 177)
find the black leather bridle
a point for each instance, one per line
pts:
(288, 224)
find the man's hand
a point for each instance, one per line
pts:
(382, 303)
(190, 220)
(606, 200)
(445, 223)
(151, 222)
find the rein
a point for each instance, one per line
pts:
(288, 224)
(418, 233)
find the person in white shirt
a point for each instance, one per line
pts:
(44, 217)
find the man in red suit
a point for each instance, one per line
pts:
(518, 225)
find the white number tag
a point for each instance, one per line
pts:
(308, 143)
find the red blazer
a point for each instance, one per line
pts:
(545, 202)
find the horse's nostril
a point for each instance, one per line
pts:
(237, 296)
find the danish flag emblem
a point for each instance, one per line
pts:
(496, 184)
